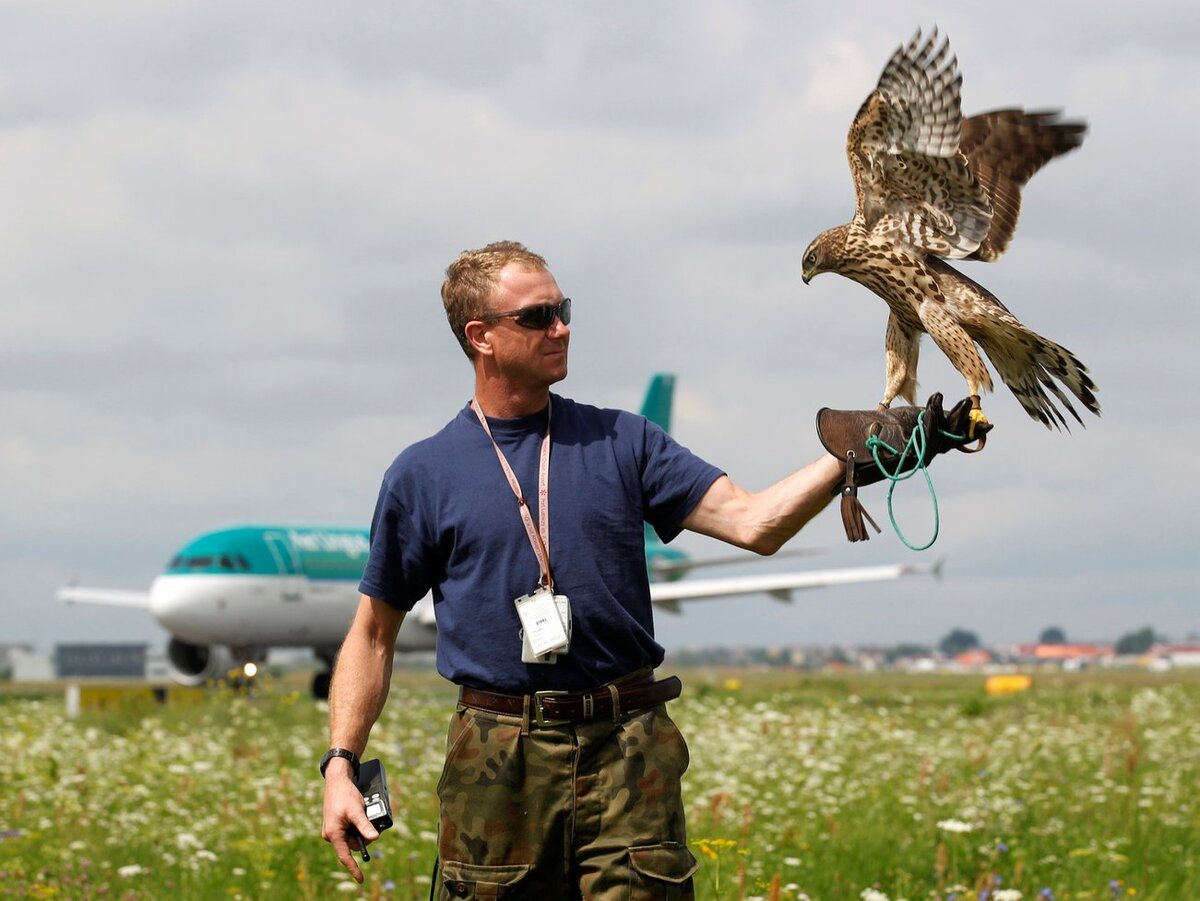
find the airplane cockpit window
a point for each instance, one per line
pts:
(230, 562)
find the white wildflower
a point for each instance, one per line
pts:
(792, 861)
(870, 894)
(1006, 894)
(133, 869)
(955, 826)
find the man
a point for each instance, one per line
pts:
(524, 515)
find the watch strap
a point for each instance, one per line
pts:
(340, 752)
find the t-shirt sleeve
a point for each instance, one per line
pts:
(673, 481)
(398, 568)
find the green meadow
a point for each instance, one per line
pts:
(864, 787)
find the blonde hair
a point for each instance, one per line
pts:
(470, 279)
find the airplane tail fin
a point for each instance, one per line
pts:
(657, 405)
(657, 408)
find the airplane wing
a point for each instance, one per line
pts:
(113, 597)
(778, 585)
(422, 611)
(664, 569)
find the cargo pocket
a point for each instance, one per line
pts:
(468, 880)
(461, 727)
(661, 871)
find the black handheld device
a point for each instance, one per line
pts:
(372, 783)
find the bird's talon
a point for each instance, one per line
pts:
(977, 419)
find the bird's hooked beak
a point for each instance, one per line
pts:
(809, 268)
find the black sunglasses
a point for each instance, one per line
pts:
(539, 317)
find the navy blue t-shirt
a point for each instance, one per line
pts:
(447, 520)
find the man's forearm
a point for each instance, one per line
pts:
(788, 505)
(361, 677)
(356, 696)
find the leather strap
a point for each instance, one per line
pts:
(556, 708)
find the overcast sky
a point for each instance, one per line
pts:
(224, 225)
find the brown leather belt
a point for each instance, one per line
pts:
(558, 708)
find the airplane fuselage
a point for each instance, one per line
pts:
(263, 610)
(272, 586)
(268, 611)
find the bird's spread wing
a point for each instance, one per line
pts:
(903, 148)
(1003, 149)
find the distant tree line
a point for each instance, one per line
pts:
(956, 641)
(1138, 642)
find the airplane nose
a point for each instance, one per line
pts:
(177, 605)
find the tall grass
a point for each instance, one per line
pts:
(866, 788)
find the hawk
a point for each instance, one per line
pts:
(932, 186)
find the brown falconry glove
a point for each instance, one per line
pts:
(844, 434)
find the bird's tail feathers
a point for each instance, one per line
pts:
(1031, 366)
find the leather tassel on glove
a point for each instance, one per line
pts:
(853, 512)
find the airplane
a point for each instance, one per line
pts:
(229, 595)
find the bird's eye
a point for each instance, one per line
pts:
(810, 260)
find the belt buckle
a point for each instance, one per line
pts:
(539, 714)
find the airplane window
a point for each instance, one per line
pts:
(200, 562)
(243, 563)
(176, 563)
(226, 563)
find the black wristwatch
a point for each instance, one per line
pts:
(339, 752)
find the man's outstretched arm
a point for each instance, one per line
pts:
(764, 521)
(356, 697)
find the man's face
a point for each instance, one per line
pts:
(531, 356)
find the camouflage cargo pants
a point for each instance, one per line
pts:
(591, 810)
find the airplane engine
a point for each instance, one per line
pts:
(195, 664)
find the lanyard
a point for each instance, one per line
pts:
(539, 542)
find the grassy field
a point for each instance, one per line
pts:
(860, 787)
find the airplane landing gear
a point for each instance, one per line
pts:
(321, 678)
(320, 685)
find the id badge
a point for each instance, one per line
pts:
(564, 611)
(541, 622)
